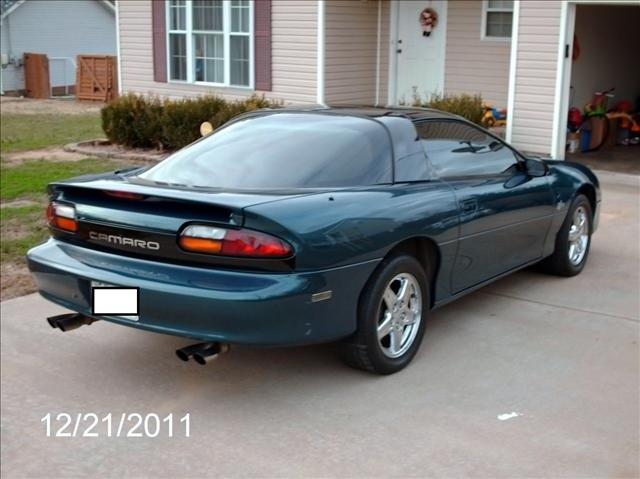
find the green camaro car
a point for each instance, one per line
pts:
(289, 227)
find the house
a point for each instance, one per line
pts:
(518, 54)
(61, 29)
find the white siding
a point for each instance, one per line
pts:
(294, 27)
(351, 51)
(473, 65)
(350, 55)
(57, 28)
(536, 66)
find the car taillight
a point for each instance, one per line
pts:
(62, 216)
(229, 242)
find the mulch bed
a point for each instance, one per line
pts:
(105, 149)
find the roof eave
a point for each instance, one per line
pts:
(11, 9)
(105, 3)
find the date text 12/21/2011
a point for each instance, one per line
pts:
(116, 425)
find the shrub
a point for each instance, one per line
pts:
(470, 107)
(133, 120)
(139, 121)
(234, 108)
(181, 119)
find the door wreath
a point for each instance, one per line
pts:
(428, 21)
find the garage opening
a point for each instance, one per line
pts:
(603, 125)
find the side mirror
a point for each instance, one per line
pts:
(535, 168)
(206, 128)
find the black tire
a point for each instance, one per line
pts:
(559, 263)
(363, 350)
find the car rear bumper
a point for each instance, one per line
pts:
(204, 303)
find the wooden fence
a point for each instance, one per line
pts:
(36, 75)
(96, 78)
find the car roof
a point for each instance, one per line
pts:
(411, 113)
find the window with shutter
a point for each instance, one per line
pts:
(209, 41)
(213, 42)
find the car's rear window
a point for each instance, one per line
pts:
(283, 150)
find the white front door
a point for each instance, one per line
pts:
(419, 58)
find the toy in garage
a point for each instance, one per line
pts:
(574, 124)
(494, 116)
(627, 126)
(600, 125)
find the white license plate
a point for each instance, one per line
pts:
(111, 300)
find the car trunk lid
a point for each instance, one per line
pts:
(144, 219)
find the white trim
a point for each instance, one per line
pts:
(168, 31)
(252, 44)
(111, 7)
(320, 54)
(11, 9)
(444, 16)
(226, 21)
(483, 24)
(215, 85)
(513, 69)
(378, 49)
(393, 57)
(557, 148)
(119, 57)
(226, 33)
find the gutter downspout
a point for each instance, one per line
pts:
(4, 23)
(378, 53)
(320, 54)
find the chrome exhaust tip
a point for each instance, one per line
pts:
(202, 353)
(70, 321)
(188, 351)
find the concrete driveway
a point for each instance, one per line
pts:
(561, 353)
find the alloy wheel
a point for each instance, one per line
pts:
(400, 315)
(578, 235)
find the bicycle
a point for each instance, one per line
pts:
(597, 108)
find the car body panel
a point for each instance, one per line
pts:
(207, 304)
(339, 228)
(501, 226)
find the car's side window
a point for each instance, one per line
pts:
(457, 149)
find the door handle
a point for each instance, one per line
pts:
(469, 206)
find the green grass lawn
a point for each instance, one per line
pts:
(25, 226)
(22, 228)
(30, 132)
(29, 179)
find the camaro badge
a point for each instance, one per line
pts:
(124, 241)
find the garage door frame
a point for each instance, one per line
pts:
(563, 69)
